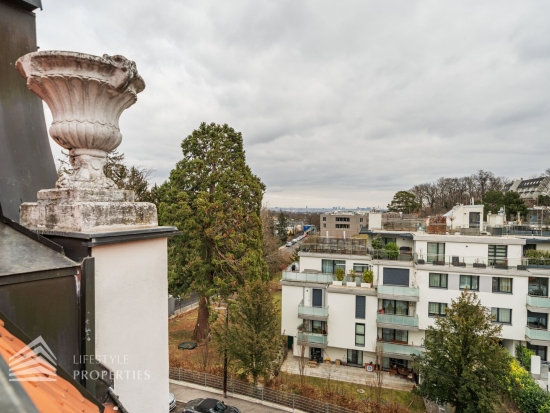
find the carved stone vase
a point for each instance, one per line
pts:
(86, 95)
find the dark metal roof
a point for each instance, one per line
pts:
(528, 183)
(20, 254)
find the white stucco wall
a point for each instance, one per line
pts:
(131, 321)
(290, 299)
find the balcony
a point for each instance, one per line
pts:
(401, 351)
(401, 322)
(312, 313)
(396, 292)
(480, 262)
(537, 337)
(307, 277)
(538, 304)
(346, 246)
(313, 340)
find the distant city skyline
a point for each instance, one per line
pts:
(338, 103)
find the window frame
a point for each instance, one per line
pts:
(497, 319)
(495, 257)
(364, 313)
(441, 310)
(499, 290)
(359, 334)
(392, 333)
(470, 283)
(446, 277)
(439, 255)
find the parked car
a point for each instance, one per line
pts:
(294, 241)
(289, 244)
(172, 402)
(208, 406)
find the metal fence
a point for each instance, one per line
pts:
(294, 401)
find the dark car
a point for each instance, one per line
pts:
(208, 406)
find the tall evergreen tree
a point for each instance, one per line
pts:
(282, 224)
(252, 337)
(215, 200)
(464, 364)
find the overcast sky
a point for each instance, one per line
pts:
(340, 103)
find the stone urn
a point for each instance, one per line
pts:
(86, 95)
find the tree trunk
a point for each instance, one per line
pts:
(202, 327)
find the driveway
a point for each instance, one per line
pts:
(184, 393)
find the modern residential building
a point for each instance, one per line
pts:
(343, 224)
(411, 287)
(530, 189)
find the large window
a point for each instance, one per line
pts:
(387, 240)
(475, 219)
(355, 357)
(342, 219)
(436, 252)
(342, 226)
(502, 315)
(537, 320)
(471, 282)
(538, 286)
(330, 266)
(395, 307)
(539, 350)
(498, 254)
(317, 297)
(360, 335)
(360, 306)
(318, 327)
(390, 334)
(438, 280)
(502, 285)
(359, 268)
(324, 218)
(437, 309)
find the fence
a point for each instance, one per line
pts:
(294, 401)
(181, 305)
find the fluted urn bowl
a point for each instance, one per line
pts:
(86, 95)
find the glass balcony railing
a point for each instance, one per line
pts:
(313, 338)
(536, 334)
(473, 261)
(536, 301)
(305, 311)
(398, 320)
(308, 277)
(401, 349)
(398, 290)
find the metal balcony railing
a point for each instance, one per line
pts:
(308, 311)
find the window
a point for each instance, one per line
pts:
(537, 320)
(360, 219)
(324, 225)
(318, 327)
(359, 268)
(395, 276)
(395, 307)
(502, 315)
(390, 334)
(330, 266)
(317, 297)
(387, 240)
(539, 350)
(502, 285)
(498, 254)
(324, 218)
(360, 335)
(359, 306)
(355, 357)
(342, 226)
(342, 219)
(538, 286)
(471, 282)
(475, 218)
(436, 252)
(437, 309)
(438, 280)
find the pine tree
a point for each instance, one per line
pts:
(252, 337)
(464, 364)
(282, 224)
(214, 200)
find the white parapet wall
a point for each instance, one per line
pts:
(131, 323)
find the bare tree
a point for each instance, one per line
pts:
(303, 359)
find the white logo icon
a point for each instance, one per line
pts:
(34, 362)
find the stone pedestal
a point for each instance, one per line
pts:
(84, 210)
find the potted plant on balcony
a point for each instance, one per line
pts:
(339, 274)
(367, 277)
(351, 278)
(478, 264)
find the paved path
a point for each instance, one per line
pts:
(184, 393)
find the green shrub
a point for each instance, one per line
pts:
(525, 391)
(340, 274)
(523, 354)
(368, 276)
(392, 250)
(538, 257)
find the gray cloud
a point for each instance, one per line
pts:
(339, 103)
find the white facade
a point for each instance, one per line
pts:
(407, 291)
(131, 324)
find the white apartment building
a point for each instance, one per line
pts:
(346, 322)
